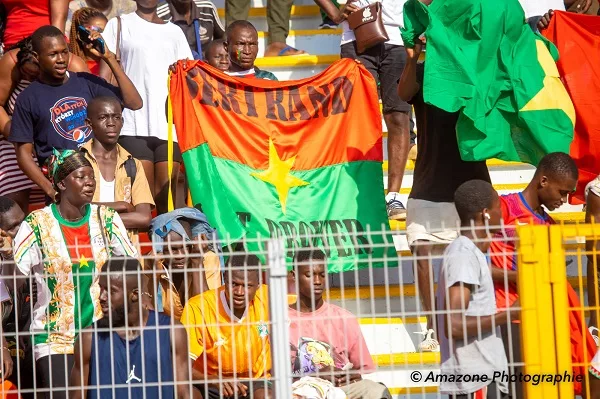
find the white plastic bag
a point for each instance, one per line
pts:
(316, 388)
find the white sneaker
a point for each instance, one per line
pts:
(428, 344)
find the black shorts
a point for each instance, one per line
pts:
(150, 149)
(53, 372)
(386, 63)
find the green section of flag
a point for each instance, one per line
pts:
(83, 278)
(485, 61)
(334, 211)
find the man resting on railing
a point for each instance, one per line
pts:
(554, 180)
(326, 340)
(138, 350)
(229, 335)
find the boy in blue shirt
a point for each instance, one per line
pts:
(51, 112)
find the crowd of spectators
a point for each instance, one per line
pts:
(84, 307)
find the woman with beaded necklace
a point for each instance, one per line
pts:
(63, 246)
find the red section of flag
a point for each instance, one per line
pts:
(577, 38)
(583, 346)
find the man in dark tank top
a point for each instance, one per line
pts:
(138, 350)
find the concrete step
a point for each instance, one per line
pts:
(393, 310)
(416, 393)
(510, 176)
(389, 335)
(567, 217)
(407, 360)
(565, 214)
(302, 17)
(400, 383)
(492, 164)
(313, 41)
(393, 344)
(296, 67)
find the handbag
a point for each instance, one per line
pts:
(367, 24)
(113, 80)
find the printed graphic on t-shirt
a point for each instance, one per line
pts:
(68, 118)
(203, 33)
(313, 355)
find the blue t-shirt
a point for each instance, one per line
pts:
(54, 116)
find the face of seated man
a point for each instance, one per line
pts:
(311, 279)
(241, 287)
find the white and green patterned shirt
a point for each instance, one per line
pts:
(65, 258)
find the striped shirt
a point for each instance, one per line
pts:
(65, 259)
(12, 179)
(206, 13)
(222, 344)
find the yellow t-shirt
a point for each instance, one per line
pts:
(220, 344)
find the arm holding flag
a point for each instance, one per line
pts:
(408, 85)
(416, 21)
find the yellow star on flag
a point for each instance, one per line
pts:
(278, 174)
(83, 262)
(553, 95)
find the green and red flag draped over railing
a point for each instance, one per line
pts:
(299, 159)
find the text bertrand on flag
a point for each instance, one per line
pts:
(285, 104)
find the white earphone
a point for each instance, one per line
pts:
(487, 216)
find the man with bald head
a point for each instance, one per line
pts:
(121, 183)
(241, 43)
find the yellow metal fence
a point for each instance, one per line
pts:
(542, 282)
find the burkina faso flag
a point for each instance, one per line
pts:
(299, 159)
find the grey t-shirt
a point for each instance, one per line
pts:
(478, 355)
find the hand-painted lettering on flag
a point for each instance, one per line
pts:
(345, 237)
(288, 104)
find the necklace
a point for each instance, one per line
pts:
(67, 219)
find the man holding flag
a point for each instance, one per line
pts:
(278, 174)
(432, 221)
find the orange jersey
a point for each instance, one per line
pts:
(221, 344)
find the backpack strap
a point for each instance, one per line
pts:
(198, 39)
(131, 169)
